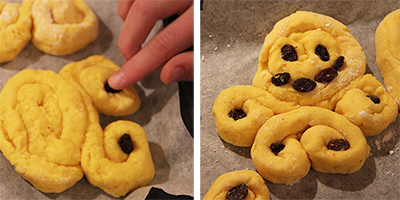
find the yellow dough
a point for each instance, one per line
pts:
(255, 102)
(305, 31)
(372, 118)
(15, 28)
(315, 127)
(240, 132)
(91, 74)
(63, 27)
(387, 43)
(50, 132)
(256, 188)
(43, 120)
(314, 105)
(108, 167)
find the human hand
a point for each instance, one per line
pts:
(164, 49)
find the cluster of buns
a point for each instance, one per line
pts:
(50, 129)
(55, 27)
(310, 103)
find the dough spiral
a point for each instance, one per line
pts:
(256, 188)
(240, 132)
(15, 28)
(371, 117)
(103, 160)
(305, 133)
(92, 74)
(43, 120)
(256, 106)
(63, 27)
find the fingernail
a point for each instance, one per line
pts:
(177, 74)
(116, 80)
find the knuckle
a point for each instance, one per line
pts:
(164, 41)
(144, 7)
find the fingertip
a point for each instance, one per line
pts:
(116, 81)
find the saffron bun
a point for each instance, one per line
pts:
(91, 74)
(317, 43)
(288, 144)
(103, 159)
(15, 28)
(43, 122)
(63, 27)
(254, 186)
(387, 42)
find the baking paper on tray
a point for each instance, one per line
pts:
(232, 35)
(170, 143)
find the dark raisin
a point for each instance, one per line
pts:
(322, 53)
(237, 114)
(288, 53)
(238, 193)
(304, 85)
(277, 147)
(338, 145)
(125, 142)
(326, 75)
(280, 79)
(374, 99)
(109, 89)
(338, 63)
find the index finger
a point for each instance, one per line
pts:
(175, 38)
(141, 19)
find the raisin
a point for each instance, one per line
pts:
(237, 193)
(288, 53)
(322, 53)
(280, 79)
(338, 63)
(304, 85)
(338, 145)
(326, 75)
(374, 99)
(237, 114)
(125, 142)
(109, 89)
(277, 147)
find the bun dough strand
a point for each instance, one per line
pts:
(240, 130)
(63, 27)
(305, 134)
(108, 167)
(388, 53)
(15, 28)
(358, 106)
(91, 74)
(255, 106)
(255, 187)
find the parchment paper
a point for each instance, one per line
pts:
(232, 35)
(171, 145)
